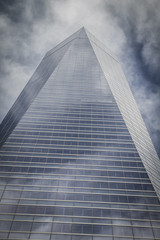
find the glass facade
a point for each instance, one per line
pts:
(70, 165)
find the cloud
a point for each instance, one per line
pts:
(140, 56)
(129, 28)
(140, 23)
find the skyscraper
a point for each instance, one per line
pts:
(76, 158)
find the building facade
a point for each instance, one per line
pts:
(77, 162)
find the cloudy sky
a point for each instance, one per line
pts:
(129, 28)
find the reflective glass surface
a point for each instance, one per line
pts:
(70, 168)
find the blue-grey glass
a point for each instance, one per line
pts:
(70, 169)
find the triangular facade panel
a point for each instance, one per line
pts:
(129, 110)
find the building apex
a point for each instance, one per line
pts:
(83, 29)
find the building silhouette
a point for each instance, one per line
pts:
(77, 161)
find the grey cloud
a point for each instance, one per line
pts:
(140, 56)
(28, 30)
(140, 23)
(129, 28)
